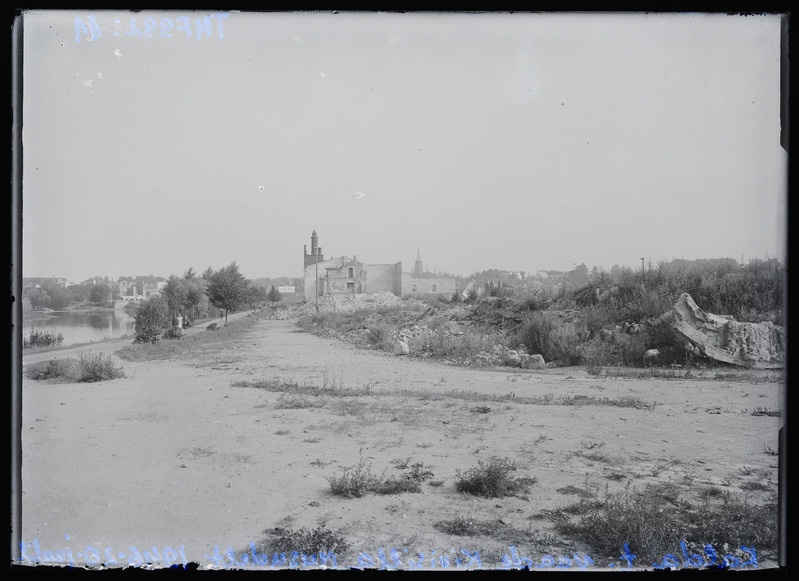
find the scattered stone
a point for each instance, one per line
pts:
(651, 356)
(512, 358)
(401, 348)
(535, 361)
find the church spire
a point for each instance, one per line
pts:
(418, 267)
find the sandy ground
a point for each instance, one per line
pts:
(176, 461)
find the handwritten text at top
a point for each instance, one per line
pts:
(209, 26)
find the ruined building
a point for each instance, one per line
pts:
(346, 274)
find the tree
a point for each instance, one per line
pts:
(38, 297)
(274, 295)
(256, 295)
(196, 298)
(176, 294)
(100, 293)
(189, 274)
(227, 289)
(152, 320)
(207, 274)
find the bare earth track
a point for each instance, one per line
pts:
(175, 456)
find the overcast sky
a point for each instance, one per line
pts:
(519, 142)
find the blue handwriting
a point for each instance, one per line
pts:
(200, 27)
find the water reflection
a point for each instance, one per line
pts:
(82, 326)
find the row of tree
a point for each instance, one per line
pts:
(52, 296)
(192, 297)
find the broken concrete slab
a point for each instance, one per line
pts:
(754, 345)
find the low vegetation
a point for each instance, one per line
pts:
(577, 325)
(356, 481)
(492, 478)
(309, 542)
(172, 348)
(653, 521)
(87, 368)
(42, 339)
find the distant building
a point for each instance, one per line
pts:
(348, 275)
(39, 281)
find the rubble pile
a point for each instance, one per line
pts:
(353, 302)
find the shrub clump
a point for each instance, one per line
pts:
(53, 369)
(492, 478)
(314, 541)
(88, 368)
(356, 481)
(379, 335)
(654, 523)
(42, 339)
(556, 340)
(152, 320)
(98, 367)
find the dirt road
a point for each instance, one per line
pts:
(176, 461)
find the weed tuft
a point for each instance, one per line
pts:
(492, 478)
(313, 541)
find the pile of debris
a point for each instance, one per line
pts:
(353, 302)
(281, 314)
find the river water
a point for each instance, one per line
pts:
(81, 326)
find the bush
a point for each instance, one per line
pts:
(654, 521)
(42, 339)
(492, 479)
(88, 368)
(379, 335)
(314, 541)
(555, 340)
(354, 481)
(98, 367)
(173, 333)
(53, 369)
(152, 320)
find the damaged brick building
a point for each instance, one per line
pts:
(348, 275)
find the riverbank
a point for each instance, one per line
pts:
(36, 354)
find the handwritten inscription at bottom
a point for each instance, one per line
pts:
(382, 559)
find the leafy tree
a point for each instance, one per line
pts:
(176, 294)
(100, 292)
(189, 274)
(60, 298)
(207, 274)
(274, 295)
(152, 320)
(227, 289)
(256, 295)
(196, 298)
(38, 297)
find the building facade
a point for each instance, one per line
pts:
(348, 275)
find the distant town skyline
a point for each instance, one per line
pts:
(156, 141)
